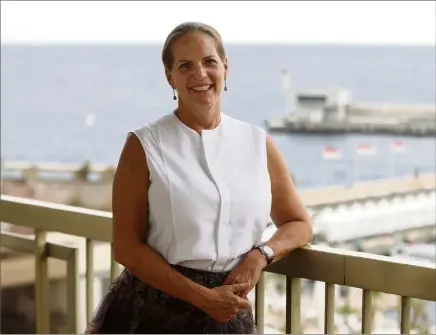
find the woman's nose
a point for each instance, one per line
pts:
(200, 71)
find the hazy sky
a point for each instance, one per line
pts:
(399, 22)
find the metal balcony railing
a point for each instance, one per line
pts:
(331, 266)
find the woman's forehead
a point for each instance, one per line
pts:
(194, 45)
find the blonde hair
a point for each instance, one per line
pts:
(183, 29)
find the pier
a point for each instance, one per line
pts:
(289, 125)
(333, 111)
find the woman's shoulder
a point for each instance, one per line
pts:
(148, 133)
(151, 126)
(150, 129)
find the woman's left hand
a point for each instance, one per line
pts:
(248, 271)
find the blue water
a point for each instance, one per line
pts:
(47, 91)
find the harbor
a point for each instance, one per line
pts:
(333, 111)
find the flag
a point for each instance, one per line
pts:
(330, 152)
(398, 146)
(365, 149)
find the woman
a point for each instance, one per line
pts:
(192, 195)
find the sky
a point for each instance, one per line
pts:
(357, 22)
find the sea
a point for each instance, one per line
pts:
(75, 103)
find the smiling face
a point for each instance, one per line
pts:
(198, 72)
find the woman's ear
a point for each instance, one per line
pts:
(169, 78)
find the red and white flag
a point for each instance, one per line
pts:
(398, 146)
(366, 149)
(330, 152)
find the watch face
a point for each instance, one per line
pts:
(268, 251)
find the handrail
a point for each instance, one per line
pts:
(361, 270)
(330, 265)
(321, 263)
(83, 222)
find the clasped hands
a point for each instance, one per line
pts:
(227, 300)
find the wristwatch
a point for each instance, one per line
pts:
(267, 252)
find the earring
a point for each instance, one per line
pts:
(225, 85)
(174, 94)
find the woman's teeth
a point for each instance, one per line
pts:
(202, 88)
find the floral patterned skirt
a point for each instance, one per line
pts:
(133, 307)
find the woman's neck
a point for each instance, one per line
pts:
(199, 119)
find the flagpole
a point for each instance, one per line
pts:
(324, 172)
(329, 154)
(324, 175)
(356, 168)
(393, 162)
(397, 148)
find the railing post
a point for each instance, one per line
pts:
(367, 312)
(73, 291)
(293, 305)
(329, 313)
(89, 279)
(259, 305)
(115, 269)
(405, 315)
(41, 285)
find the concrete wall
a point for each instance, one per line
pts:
(98, 195)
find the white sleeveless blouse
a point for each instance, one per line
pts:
(209, 195)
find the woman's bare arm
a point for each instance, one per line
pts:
(130, 223)
(294, 225)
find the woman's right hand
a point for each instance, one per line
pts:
(223, 302)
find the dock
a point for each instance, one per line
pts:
(284, 125)
(333, 111)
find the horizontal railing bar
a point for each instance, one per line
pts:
(312, 262)
(356, 269)
(49, 217)
(27, 244)
(384, 275)
(17, 242)
(59, 251)
(331, 265)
